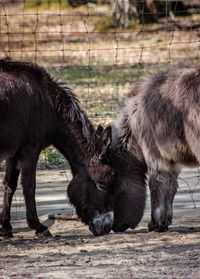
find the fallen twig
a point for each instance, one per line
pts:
(63, 216)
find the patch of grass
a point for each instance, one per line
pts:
(105, 24)
(51, 157)
(108, 23)
(46, 4)
(101, 90)
(98, 75)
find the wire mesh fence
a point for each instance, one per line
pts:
(99, 48)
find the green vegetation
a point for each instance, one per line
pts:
(108, 23)
(51, 158)
(46, 4)
(98, 75)
(105, 24)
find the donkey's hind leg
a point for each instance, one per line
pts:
(10, 185)
(163, 187)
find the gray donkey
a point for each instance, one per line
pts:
(159, 131)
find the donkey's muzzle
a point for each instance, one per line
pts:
(102, 223)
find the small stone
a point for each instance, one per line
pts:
(45, 233)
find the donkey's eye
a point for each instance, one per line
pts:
(101, 187)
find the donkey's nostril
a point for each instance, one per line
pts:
(102, 223)
(93, 229)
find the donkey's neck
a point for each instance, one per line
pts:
(67, 145)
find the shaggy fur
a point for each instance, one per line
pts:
(128, 187)
(35, 112)
(159, 127)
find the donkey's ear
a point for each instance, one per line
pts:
(105, 141)
(99, 131)
(106, 135)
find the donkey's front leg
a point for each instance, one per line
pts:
(28, 179)
(10, 185)
(162, 190)
(169, 198)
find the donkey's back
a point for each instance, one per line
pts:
(26, 112)
(166, 117)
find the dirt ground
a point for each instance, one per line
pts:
(73, 252)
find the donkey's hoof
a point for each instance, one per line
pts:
(151, 226)
(45, 233)
(5, 232)
(160, 227)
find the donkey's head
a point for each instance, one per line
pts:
(122, 177)
(93, 206)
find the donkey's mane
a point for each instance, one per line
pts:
(63, 99)
(68, 108)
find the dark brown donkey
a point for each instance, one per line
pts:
(159, 131)
(35, 112)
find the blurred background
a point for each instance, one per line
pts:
(99, 48)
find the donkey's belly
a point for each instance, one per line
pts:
(2, 157)
(180, 155)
